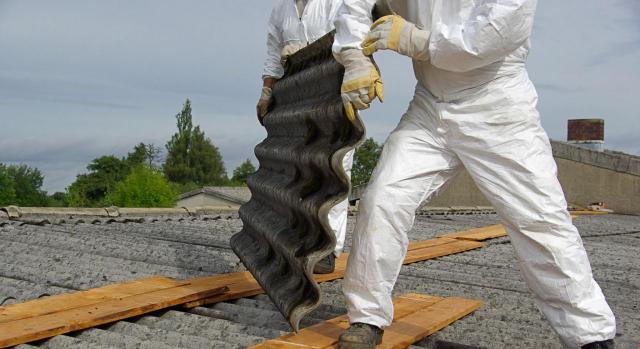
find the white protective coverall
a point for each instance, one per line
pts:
(288, 27)
(475, 108)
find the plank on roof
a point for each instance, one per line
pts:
(415, 317)
(68, 301)
(65, 321)
(242, 284)
(478, 234)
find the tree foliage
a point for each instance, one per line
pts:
(90, 189)
(7, 192)
(143, 187)
(191, 156)
(144, 154)
(365, 161)
(243, 171)
(21, 185)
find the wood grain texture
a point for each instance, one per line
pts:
(68, 301)
(34, 328)
(478, 234)
(415, 317)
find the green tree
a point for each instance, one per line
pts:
(58, 199)
(191, 156)
(143, 187)
(243, 171)
(137, 156)
(22, 186)
(365, 161)
(7, 192)
(142, 153)
(90, 189)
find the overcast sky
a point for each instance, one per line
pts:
(85, 78)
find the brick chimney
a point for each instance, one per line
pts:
(586, 133)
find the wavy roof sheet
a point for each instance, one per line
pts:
(286, 231)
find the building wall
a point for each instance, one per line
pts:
(584, 184)
(462, 191)
(202, 200)
(586, 177)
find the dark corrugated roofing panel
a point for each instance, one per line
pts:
(286, 231)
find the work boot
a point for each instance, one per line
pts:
(608, 344)
(326, 265)
(360, 336)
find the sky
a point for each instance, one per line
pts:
(84, 78)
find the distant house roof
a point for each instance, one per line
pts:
(239, 195)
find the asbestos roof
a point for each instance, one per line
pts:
(38, 260)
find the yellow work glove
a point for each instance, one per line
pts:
(263, 104)
(394, 33)
(361, 83)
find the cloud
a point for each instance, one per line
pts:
(83, 79)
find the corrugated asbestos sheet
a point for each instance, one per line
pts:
(286, 230)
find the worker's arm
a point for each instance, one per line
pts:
(493, 30)
(273, 69)
(353, 22)
(362, 82)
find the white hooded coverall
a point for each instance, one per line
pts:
(287, 26)
(475, 108)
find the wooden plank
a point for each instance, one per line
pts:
(243, 284)
(326, 333)
(426, 322)
(415, 317)
(429, 243)
(478, 234)
(239, 285)
(45, 326)
(441, 250)
(67, 301)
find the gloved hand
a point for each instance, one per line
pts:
(263, 103)
(394, 33)
(361, 83)
(290, 49)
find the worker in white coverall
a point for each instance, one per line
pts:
(475, 108)
(293, 25)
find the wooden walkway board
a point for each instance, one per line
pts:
(457, 246)
(68, 301)
(47, 317)
(77, 318)
(478, 234)
(415, 317)
(242, 284)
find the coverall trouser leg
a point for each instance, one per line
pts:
(509, 158)
(339, 213)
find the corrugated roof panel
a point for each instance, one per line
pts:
(286, 231)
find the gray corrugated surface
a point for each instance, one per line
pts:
(286, 230)
(58, 258)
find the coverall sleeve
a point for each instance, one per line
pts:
(353, 22)
(493, 30)
(275, 43)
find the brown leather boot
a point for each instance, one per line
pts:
(360, 336)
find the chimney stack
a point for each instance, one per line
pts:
(586, 133)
